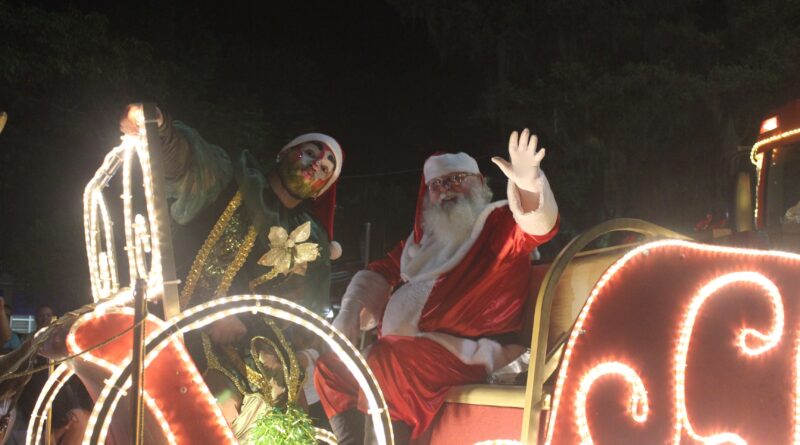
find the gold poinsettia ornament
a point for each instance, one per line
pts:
(289, 253)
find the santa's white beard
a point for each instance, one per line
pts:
(446, 228)
(451, 222)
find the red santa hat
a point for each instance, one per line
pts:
(324, 205)
(440, 164)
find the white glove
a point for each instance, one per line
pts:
(347, 321)
(523, 169)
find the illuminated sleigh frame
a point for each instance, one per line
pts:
(567, 283)
(148, 241)
(710, 357)
(666, 325)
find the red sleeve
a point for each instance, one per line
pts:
(525, 242)
(389, 266)
(507, 237)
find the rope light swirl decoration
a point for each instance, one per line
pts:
(207, 313)
(764, 342)
(637, 402)
(749, 342)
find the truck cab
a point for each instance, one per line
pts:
(776, 156)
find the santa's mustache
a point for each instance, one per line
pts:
(449, 201)
(450, 197)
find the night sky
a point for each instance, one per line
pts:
(615, 91)
(373, 78)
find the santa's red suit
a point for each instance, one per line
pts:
(437, 304)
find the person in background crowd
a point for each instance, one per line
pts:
(44, 316)
(13, 341)
(71, 410)
(5, 323)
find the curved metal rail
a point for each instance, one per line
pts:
(534, 393)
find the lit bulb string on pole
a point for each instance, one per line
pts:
(139, 230)
(207, 313)
(140, 246)
(92, 201)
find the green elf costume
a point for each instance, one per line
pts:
(241, 228)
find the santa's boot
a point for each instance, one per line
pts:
(402, 433)
(348, 426)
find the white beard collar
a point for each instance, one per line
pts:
(446, 231)
(450, 224)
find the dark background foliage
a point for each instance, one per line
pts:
(641, 104)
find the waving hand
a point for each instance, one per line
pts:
(523, 169)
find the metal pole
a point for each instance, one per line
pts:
(48, 423)
(170, 299)
(367, 235)
(171, 302)
(137, 361)
(367, 239)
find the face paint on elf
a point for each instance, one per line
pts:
(306, 168)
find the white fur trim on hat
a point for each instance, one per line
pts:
(441, 165)
(325, 139)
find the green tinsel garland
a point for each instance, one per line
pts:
(283, 426)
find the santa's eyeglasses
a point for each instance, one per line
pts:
(454, 180)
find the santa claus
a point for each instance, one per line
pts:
(460, 278)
